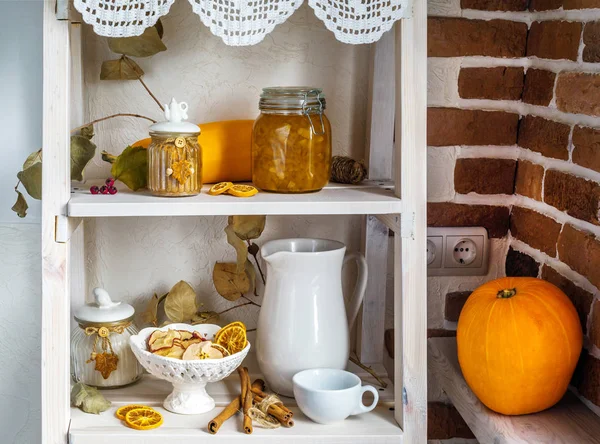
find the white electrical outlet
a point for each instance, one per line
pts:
(435, 251)
(457, 251)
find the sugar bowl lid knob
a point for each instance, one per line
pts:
(103, 309)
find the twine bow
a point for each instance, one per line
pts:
(106, 362)
(258, 412)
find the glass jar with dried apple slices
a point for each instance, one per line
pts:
(291, 141)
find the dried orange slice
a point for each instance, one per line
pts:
(143, 419)
(232, 337)
(219, 188)
(242, 190)
(122, 411)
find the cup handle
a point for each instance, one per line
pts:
(363, 408)
(359, 290)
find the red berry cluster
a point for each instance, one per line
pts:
(109, 188)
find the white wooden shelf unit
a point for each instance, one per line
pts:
(396, 153)
(568, 422)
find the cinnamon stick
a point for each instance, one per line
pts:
(231, 409)
(246, 398)
(228, 412)
(262, 394)
(284, 418)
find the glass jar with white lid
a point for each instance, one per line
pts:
(100, 352)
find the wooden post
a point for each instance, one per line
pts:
(78, 286)
(56, 186)
(375, 234)
(410, 264)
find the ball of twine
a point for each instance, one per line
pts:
(347, 170)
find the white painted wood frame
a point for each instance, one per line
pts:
(410, 263)
(409, 161)
(56, 189)
(375, 234)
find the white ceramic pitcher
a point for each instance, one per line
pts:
(303, 322)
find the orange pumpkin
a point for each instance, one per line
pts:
(518, 341)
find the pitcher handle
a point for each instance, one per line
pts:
(359, 290)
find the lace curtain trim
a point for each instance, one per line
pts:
(247, 22)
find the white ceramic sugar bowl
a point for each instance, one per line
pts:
(100, 352)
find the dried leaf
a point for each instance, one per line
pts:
(88, 399)
(248, 227)
(88, 131)
(145, 45)
(120, 69)
(20, 206)
(31, 178)
(228, 282)
(159, 28)
(107, 157)
(205, 317)
(106, 363)
(240, 248)
(131, 167)
(253, 249)
(150, 316)
(180, 304)
(32, 159)
(82, 151)
(251, 273)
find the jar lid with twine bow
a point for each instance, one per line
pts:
(100, 320)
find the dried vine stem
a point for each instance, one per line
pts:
(248, 302)
(139, 116)
(143, 83)
(382, 383)
(262, 276)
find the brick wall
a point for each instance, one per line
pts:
(514, 145)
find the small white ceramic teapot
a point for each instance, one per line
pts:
(176, 112)
(303, 322)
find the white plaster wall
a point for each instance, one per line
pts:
(135, 257)
(20, 262)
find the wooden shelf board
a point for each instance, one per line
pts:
(568, 422)
(366, 198)
(378, 426)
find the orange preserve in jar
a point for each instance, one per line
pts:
(174, 156)
(291, 141)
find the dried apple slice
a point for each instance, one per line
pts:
(156, 334)
(188, 342)
(199, 336)
(175, 351)
(166, 341)
(222, 349)
(185, 335)
(209, 352)
(192, 353)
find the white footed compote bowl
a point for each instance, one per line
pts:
(189, 378)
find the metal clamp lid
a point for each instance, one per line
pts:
(307, 109)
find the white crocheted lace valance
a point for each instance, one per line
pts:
(247, 22)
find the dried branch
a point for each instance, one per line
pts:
(143, 83)
(139, 116)
(251, 301)
(369, 370)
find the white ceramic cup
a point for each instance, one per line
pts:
(328, 395)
